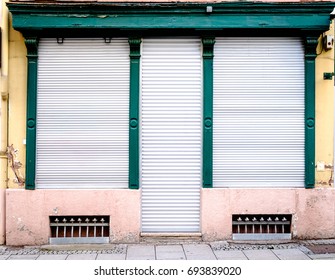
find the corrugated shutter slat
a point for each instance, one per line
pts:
(82, 118)
(258, 112)
(171, 135)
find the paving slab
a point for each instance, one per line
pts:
(290, 254)
(52, 257)
(170, 252)
(141, 252)
(81, 257)
(23, 257)
(111, 257)
(234, 255)
(260, 254)
(322, 256)
(81, 247)
(198, 252)
(322, 248)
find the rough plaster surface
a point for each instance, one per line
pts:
(28, 212)
(315, 216)
(313, 210)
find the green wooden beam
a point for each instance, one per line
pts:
(134, 153)
(207, 149)
(32, 56)
(310, 55)
(38, 17)
(199, 22)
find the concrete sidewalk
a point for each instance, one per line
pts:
(183, 251)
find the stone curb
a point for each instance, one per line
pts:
(122, 248)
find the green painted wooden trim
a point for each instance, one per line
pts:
(34, 18)
(134, 148)
(32, 55)
(168, 7)
(207, 154)
(144, 8)
(310, 55)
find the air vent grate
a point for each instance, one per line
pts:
(79, 229)
(261, 227)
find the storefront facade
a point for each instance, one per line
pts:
(165, 119)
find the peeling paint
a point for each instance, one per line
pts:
(79, 16)
(294, 229)
(119, 237)
(312, 201)
(325, 165)
(324, 184)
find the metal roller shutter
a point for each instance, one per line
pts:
(171, 135)
(258, 112)
(82, 114)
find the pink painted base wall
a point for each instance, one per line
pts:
(313, 211)
(27, 212)
(27, 221)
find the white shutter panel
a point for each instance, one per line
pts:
(171, 135)
(258, 112)
(82, 114)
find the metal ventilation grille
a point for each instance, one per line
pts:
(261, 227)
(79, 229)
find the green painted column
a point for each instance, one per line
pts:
(32, 56)
(134, 147)
(207, 149)
(310, 55)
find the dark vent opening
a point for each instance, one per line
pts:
(258, 227)
(79, 229)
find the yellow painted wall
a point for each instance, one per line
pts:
(17, 88)
(324, 116)
(324, 107)
(3, 117)
(4, 93)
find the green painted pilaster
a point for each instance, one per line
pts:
(32, 56)
(310, 55)
(134, 153)
(207, 154)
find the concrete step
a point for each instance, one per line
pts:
(168, 238)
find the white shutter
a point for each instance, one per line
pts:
(258, 112)
(171, 135)
(82, 114)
